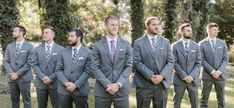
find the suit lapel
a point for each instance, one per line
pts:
(217, 46)
(42, 51)
(80, 52)
(69, 55)
(21, 49)
(182, 49)
(148, 45)
(52, 50)
(190, 50)
(209, 46)
(117, 50)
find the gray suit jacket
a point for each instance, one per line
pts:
(20, 64)
(186, 65)
(148, 63)
(77, 73)
(42, 68)
(107, 72)
(211, 62)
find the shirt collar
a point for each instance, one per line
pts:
(77, 48)
(184, 41)
(20, 42)
(109, 39)
(211, 39)
(51, 44)
(150, 37)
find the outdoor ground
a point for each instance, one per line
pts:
(5, 101)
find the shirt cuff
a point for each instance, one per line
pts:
(219, 72)
(120, 85)
(213, 72)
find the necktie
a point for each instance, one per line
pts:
(213, 46)
(186, 48)
(154, 46)
(47, 53)
(18, 49)
(74, 55)
(112, 52)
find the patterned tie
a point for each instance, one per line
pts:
(112, 52)
(47, 53)
(18, 49)
(154, 46)
(186, 48)
(213, 46)
(74, 55)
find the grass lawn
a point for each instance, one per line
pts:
(5, 101)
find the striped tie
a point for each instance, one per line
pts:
(154, 46)
(213, 46)
(74, 55)
(18, 49)
(186, 48)
(47, 53)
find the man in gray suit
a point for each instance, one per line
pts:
(187, 57)
(153, 60)
(214, 61)
(112, 65)
(17, 62)
(73, 70)
(44, 64)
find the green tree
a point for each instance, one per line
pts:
(137, 19)
(170, 19)
(55, 13)
(223, 16)
(8, 18)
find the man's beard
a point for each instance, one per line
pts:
(187, 37)
(72, 43)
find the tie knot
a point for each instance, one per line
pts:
(112, 41)
(75, 50)
(18, 44)
(153, 39)
(48, 47)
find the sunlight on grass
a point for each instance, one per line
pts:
(229, 95)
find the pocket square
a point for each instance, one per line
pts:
(22, 51)
(219, 47)
(161, 48)
(55, 54)
(80, 58)
(121, 49)
(193, 50)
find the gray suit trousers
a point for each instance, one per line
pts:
(179, 93)
(219, 86)
(17, 87)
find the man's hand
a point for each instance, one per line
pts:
(112, 88)
(14, 76)
(71, 86)
(216, 74)
(67, 84)
(156, 79)
(188, 79)
(46, 80)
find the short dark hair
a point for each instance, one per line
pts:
(182, 26)
(149, 19)
(21, 28)
(78, 33)
(210, 25)
(111, 17)
(51, 28)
